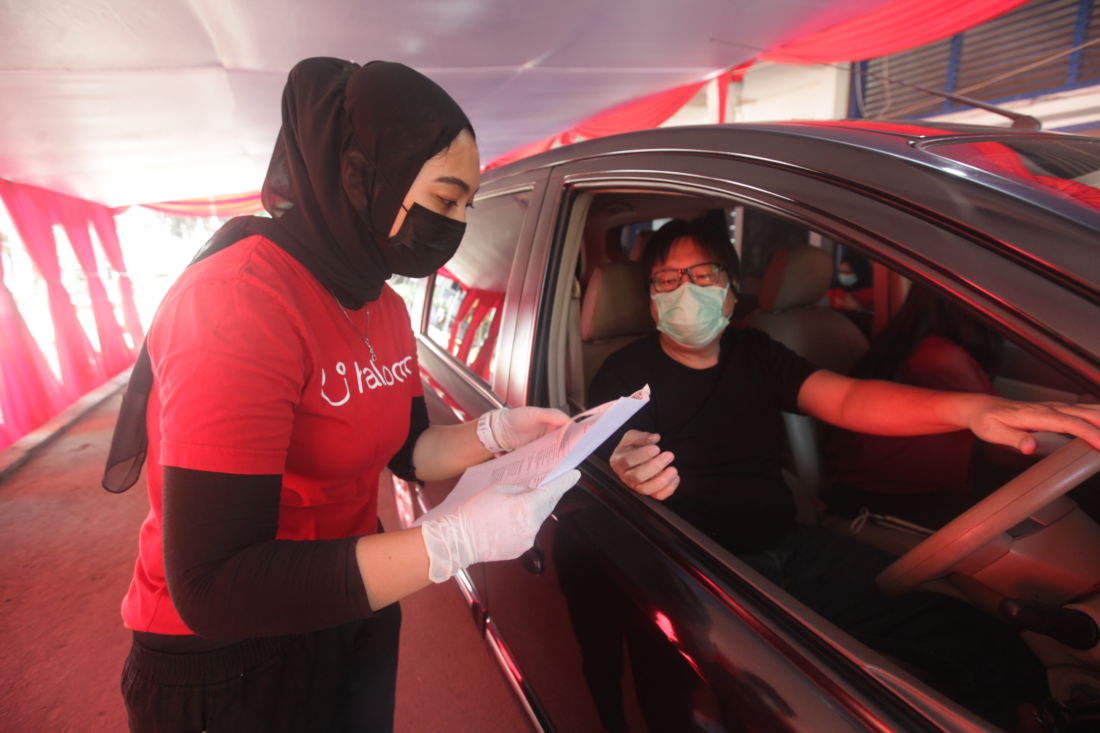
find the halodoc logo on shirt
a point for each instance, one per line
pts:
(362, 379)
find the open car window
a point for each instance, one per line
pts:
(882, 496)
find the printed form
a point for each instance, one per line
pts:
(548, 457)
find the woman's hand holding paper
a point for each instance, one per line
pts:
(498, 523)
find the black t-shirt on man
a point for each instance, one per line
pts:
(723, 425)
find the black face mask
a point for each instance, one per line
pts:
(423, 244)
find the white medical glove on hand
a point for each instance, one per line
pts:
(499, 523)
(509, 428)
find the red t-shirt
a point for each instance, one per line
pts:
(256, 371)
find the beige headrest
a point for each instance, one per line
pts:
(796, 276)
(615, 302)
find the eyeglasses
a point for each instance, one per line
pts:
(704, 274)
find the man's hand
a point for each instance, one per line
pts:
(1007, 422)
(640, 464)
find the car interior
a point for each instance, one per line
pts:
(1048, 560)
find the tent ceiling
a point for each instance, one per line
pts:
(131, 101)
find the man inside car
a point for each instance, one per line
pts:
(709, 442)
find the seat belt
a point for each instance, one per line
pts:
(574, 355)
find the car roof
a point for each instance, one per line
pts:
(896, 159)
(873, 134)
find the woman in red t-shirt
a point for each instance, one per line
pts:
(279, 378)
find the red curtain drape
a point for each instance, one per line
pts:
(74, 216)
(224, 206)
(29, 393)
(477, 305)
(637, 114)
(895, 27)
(103, 219)
(32, 214)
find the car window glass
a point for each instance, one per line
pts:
(1070, 168)
(467, 296)
(411, 291)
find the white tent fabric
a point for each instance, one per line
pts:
(133, 101)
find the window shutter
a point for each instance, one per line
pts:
(990, 61)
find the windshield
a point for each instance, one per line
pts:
(1070, 167)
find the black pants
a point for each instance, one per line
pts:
(340, 679)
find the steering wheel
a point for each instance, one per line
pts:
(1000, 511)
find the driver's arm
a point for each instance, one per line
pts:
(888, 408)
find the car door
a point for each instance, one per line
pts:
(624, 616)
(462, 316)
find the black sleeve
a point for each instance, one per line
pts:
(402, 462)
(229, 577)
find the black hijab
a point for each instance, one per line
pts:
(397, 119)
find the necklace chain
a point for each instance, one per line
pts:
(365, 337)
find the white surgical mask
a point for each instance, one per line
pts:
(691, 314)
(847, 279)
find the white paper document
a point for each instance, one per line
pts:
(548, 457)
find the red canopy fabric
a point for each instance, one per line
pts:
(638, 114)
(895, 27)
(115, 354)
(103, 219)
(29, 393)
(31, 212)
(899, 26)
(222, 207)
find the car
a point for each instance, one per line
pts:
(624, 616)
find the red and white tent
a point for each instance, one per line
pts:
(136, 101)
(107, 103)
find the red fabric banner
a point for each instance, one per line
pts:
(31, 212)
(29, 393)
(103, 219)
(222, 207)
(895, 27)
(74, 217)
(638, 114)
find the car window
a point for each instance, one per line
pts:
(467, 296)
(411, 291)
(1069, 167)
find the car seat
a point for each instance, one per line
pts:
(793, 286)
(613, 312)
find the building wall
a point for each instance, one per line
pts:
(771, 92)
(780, 92)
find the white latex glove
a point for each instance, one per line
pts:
(498, 523)
(512, 427)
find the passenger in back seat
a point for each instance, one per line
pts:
(717, 394)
